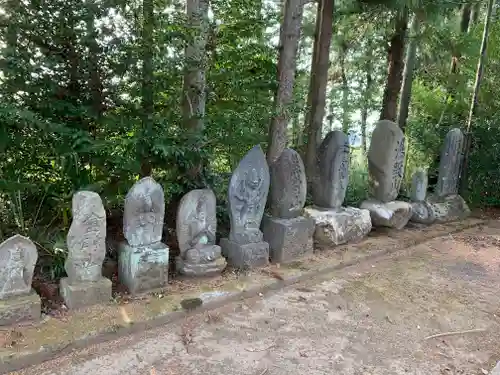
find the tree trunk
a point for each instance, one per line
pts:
(194, 94)
(345, 88)
(404, 104)
(464, 27)
(473, 105)
(395, 58)
(366, 95)
(318, 83)
(287, 64)
(95, 81)
(474, 17)
(147, 83)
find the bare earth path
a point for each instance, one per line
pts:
(372, 318)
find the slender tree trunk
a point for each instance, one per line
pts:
(366, 95)
(404, 104)
(464, 27)
(345, 88)
(147, 82)
(287, 64)
(319, 78)
(474, 16)
(473, 105)
(395, 59)
(194, 93)
(331, 107)
(95, 81)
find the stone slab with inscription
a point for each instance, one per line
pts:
(339, 226)
(289, 239)
(142, 268)
(18, 302)
(395, 214)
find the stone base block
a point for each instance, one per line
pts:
(20, 308)
(200, 270)
(450, 208)
(339, 226)
(395, 214)
(85, 294)
(289, 239)
(422, 213)
(144, 267)
(247, 255)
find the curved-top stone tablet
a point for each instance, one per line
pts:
(450, 163)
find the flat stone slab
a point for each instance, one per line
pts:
(395, 214)
(20, 308)
(200, 270)
(89, 293)
(450, 208)
(143, 268)
(248, 255)
(289, 239)
(339, 226)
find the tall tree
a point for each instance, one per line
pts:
(395, 60)
(287, 65)
(319, 77)
(368, 70)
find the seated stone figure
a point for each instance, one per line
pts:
(196, 225)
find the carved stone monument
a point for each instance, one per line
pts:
(386, 158)
(247, 197)
(288, 233)
(334, 224)
(18, 302)
(447, 204)
(86, 241)
(196, 227)
(143, 259)
(422, 212)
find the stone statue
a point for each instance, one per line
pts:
(196, 227)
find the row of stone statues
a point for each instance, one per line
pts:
(283, 235)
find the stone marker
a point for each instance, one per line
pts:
(386, 168)
(247, 195)
(421, 210)
(86, 241)
(288, 233)
(196, 228)
(335, 225)
(143, 259)
(18, 302)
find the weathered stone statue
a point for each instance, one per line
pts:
(86, 241)
(446, 203)
(247, 196)
(288, 233)
(422, 212)
(18, 302)
(334, 224)
(143, 259)
(386, 159)
(196, 227)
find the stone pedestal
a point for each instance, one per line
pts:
(143, 268)
(20, 308)
(449, 208)
(339, 226)
(289, 239)
(395, 214)
(422, 213)
(200, 270)
(78, 295)
(247, 255)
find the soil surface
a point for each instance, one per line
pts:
(377, 317)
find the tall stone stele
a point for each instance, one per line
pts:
(86, 242)
(288, 233)
(143, 258)
(247, 195)
(196, 228)
(334, 224)
(386, 158)
(18, 302)
(446, 203)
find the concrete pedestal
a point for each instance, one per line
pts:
(79, 295)
(20, 308)
(247, 255)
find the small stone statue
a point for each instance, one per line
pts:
(196, 226)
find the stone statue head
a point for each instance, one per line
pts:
(253, 179)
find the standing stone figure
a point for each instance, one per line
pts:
(18, 302)
(386, 159)
(143, 259)
(288, 233)
(86, 242)
(447, 204)
(334, 224)
(247, 197)
(421, 210)
(196, 228)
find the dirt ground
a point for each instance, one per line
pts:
(372, 318)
